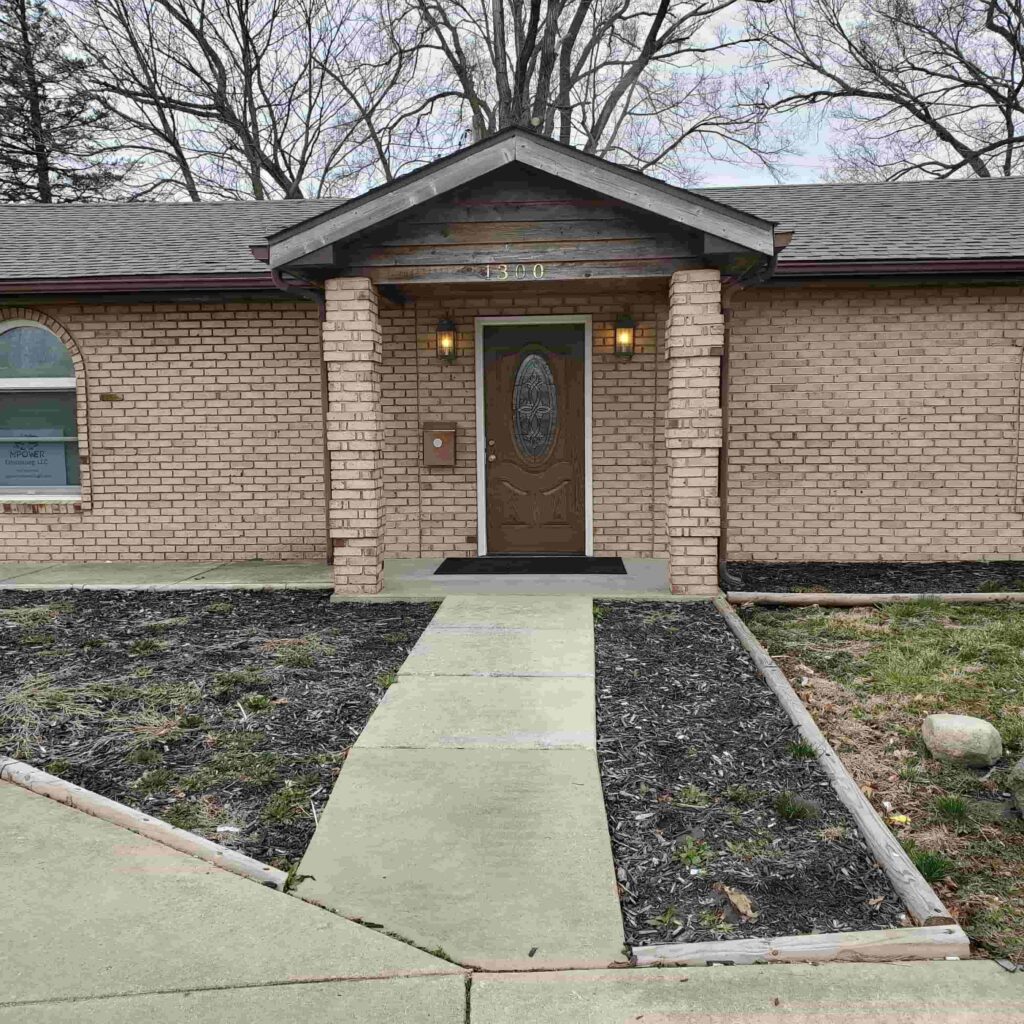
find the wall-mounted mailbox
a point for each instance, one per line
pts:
(438, 444)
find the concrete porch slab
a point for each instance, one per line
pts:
(440, 1000)
(501, 651)
(499, 857)
(413, 579)
(92, 910)
(487, 712)
(965, 992)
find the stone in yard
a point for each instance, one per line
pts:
(1015, 784)
(962, 739)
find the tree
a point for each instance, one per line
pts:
(916, 88)
(632, 80)
(51, 126)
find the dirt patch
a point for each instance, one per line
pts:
(722, 823)
(225, 713)
(878, 577)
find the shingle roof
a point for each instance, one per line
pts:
(130, 239)
(971, 218)
(967, 219)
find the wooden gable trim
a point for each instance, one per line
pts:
(652, 197)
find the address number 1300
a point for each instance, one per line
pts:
(514, 271)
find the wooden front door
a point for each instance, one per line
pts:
(534, 444)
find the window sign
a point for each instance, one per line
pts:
(30, 464)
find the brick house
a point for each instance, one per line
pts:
(518, 349)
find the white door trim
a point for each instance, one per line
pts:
(481, 441)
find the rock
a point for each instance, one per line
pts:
(962, 739)
(1015, 784)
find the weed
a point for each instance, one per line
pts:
(934, 867)
(220, 607)
(742, 795)
(803, 750)
(952, 808)
(599, 613)
(156, 780)
(256, 702)
(36, 640)
(35, 615)
(691, 796)
(714, 921)
(233, 681)
(833, 833)
(692, 852)
(292, 877)
(191, 815)
(29, 707)
(255, 768)
(144, 756)
(748, 849)
(300, 653)
(668, 919)
(792, 807)
(387, 679)
(911, 770)
(191, 721)
(145, 646)
(1012, 731)
(58, 766)
(291, 801)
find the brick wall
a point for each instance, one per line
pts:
(876, 424)
(432, 512)
(214, 448)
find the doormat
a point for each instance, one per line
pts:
(532, 565)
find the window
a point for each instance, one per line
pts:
(38, 422)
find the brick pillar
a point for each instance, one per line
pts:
(352, 352)
(693, 429)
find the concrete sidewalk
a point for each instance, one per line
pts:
(101, 925)
(469, 814)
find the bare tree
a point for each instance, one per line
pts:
(919, 88)
(634, 80)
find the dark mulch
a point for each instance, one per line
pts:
(227, 713)
(696, 758)
(878, 577)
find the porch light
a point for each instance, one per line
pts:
(446, 340)
(625, 335)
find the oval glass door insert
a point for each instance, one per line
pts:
(534, 407)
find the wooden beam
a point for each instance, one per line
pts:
(477, 274)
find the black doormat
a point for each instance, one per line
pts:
(522, 565)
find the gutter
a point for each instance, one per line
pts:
(136, 283)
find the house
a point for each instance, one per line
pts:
(518, 349)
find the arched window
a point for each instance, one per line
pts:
(38, 421)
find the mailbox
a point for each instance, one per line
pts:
(438, 444)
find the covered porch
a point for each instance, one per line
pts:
(522, 351)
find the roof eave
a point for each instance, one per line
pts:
(876, 268)
(128, 283)
(541, 154)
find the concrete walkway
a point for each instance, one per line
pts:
(469, 815)
(102, 926)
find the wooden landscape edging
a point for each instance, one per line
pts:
(25, 775)
(881, 946)
(924, 905)
(856, 600)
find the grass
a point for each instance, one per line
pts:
(791, 807)
(870, 676)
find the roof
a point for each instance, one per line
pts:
(965, 224)
(517, 146)
(961, 219)
(142, 239)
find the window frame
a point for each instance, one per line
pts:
(57, 493)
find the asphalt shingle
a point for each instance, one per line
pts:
(938, 220)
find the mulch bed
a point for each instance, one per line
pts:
(878, 577)
(701, 781)
(226, 713)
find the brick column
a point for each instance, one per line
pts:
(352, 353)
(693, 429)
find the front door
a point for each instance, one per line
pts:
(534, 408)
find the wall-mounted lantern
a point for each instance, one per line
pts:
(446, 340)
(625, 336)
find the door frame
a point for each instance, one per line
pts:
(480, 323)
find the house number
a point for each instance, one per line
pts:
(513, 271)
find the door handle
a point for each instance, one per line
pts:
(491, 458)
